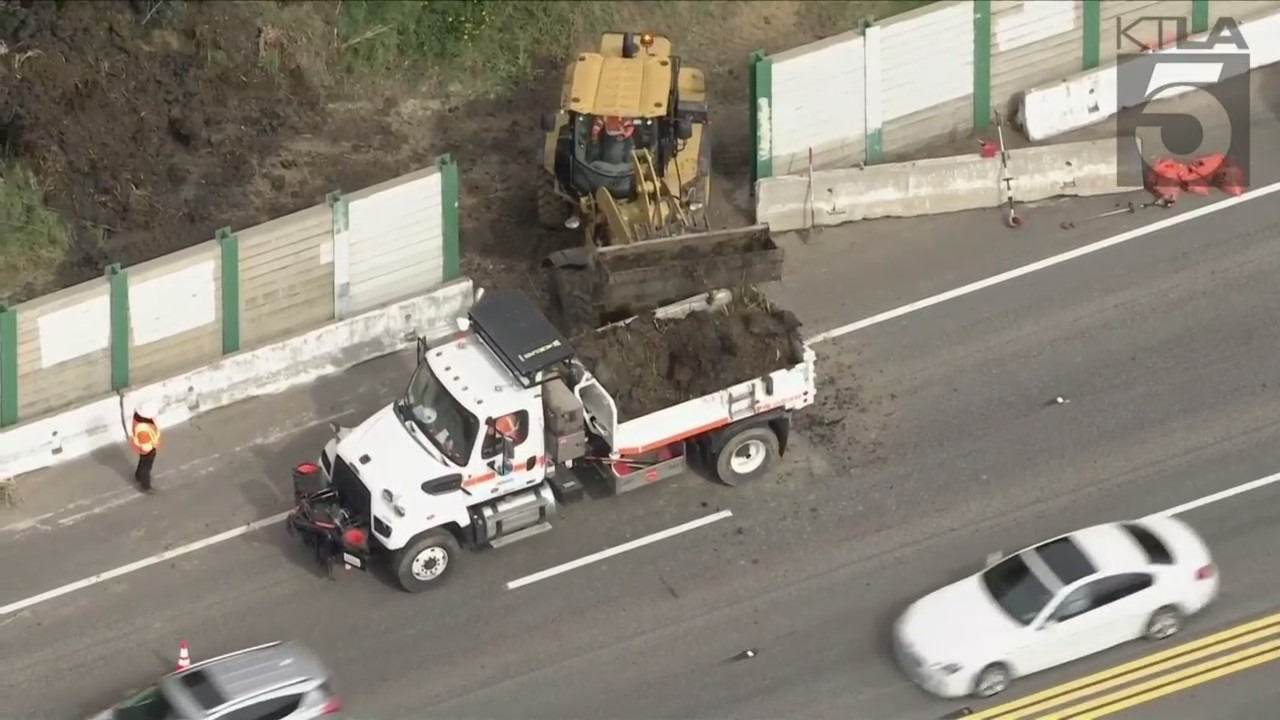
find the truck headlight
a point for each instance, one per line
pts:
(387, 496)
(573, 222)
(695, 206)
(399, 510)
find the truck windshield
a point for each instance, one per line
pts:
(446, 423)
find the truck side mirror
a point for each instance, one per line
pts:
(684, 129)
(422, 347)
(548, 121)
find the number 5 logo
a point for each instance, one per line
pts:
(1204, 105)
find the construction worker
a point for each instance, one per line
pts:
(144, 437)
(507, 426)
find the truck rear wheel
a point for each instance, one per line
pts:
(425, 562)
(747, 455)
(553, 211)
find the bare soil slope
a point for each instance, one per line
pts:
(151, 124)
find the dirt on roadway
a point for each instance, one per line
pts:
(151, 124)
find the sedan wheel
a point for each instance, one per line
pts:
(993, 680)
(1165, 622)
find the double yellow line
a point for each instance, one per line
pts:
(1172, 670)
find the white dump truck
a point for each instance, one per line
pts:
(502, 423)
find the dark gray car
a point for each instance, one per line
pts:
(277, 681)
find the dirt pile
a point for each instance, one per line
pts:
(145, 133)
(651, 363)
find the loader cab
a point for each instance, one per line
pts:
(617, 101)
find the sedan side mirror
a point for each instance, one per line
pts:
(993, 558)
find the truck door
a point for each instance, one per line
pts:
(526, 465)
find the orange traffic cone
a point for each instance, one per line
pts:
(184, 656)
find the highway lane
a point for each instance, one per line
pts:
(1163, 348)
(937, 452)
(230, 466)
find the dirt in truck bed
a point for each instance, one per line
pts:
(651, 363)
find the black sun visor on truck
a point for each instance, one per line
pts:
(522, 337)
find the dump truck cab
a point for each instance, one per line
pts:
(631, 96)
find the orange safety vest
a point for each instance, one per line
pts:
(144, 436)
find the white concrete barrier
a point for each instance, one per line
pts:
(1091, 97)
(330, 349)
(938, 185)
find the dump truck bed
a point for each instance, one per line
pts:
(785, 380)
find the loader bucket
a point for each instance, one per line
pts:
(640, 276)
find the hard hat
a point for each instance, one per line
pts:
(149, 409)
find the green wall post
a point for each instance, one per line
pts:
(1092, 18)
(1199, 16)
(872, 98)
(981, 64)
(230, 245)
(760, 116)
(118, 278)
(450, 198)
(8, 366)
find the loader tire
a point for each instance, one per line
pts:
(553, 211)
(574, 300)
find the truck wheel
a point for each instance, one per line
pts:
(425, 562)
(553, 211)
(747, 455)
(573, 299)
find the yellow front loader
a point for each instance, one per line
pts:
(627, 161)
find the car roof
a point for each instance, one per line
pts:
(1110, 548)
(229, 678)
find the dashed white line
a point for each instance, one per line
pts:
(619, 549)
(1221, 495)
(101, 577)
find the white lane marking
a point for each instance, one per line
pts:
(619, 549)
(14, 607)
(820, 337)
(188, 472)
(1048, 262)
(1219, 496)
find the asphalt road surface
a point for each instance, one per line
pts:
(933, 446)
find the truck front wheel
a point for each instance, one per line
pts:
(747, 455)
(425, 562)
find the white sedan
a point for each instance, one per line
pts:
(1060, 600)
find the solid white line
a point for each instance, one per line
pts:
(619, 549)
(973, 287)
(1222, 495)
(140, 564)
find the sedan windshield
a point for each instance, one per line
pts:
(449, 425)
(150, 704)
(1016, 589)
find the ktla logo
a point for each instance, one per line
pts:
(1216, 120)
